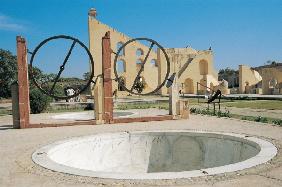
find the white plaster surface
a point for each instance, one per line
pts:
(89, 115)
(154, 155)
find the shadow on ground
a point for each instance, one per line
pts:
(6, 127)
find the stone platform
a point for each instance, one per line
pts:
(18, 169)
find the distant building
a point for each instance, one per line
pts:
(265, 79)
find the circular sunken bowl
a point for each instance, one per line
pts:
(155, 154)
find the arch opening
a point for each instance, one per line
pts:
(203, 66)
(119, 45)
(139, 52)
(189, 86)
(121, 66)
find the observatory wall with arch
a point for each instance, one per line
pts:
(200, 69)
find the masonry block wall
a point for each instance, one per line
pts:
(23, 82)
(106, 64)
(247, 78)
(129, 57)
(200, 70)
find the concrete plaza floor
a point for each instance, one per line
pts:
(17, 145)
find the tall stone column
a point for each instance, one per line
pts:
(106, 63)
(23, 82)
(15, 105)
(173, 97)
(99, 101)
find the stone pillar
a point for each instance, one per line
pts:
(23, 82)
(106, 63)
(182, 109)
(173, 97)
(15, 105)
(99, 101)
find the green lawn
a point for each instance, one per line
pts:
(256, 118)
(49, 110)
(4, 112)
(256, 104)
(159, 105)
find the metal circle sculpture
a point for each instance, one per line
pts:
(119, 78)
(62, 67)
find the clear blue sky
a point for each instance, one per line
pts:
(239, 31)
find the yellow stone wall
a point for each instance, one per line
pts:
(267, 75)
(97, 30)
(262, 78)
(248, 78)
(199, 70)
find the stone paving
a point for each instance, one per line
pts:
(49, 117)
(17, 145)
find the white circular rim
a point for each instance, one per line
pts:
(267, 152)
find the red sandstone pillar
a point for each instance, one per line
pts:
(106, 63)
(23, 82)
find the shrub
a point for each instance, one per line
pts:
(261, 119)
(244, 118)
(58, 89)
(210, 112)
(193, 110)
(89, 106)
(223, 114)
(277, 122)
(38, 101)
(205, 112)
(264, 120)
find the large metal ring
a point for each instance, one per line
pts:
(118, 78)
(49, 93)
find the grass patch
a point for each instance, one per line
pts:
(49, 110)
(226, 113)
(274, 121)
(127, 106)
(4, 112)
(254, 118)
(217, 113)
(256, 104)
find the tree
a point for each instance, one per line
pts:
(229, 75)
(86, 76)
(227, 72)
(8, 72)
(271, 62)
(39, 76)
(38, 101)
